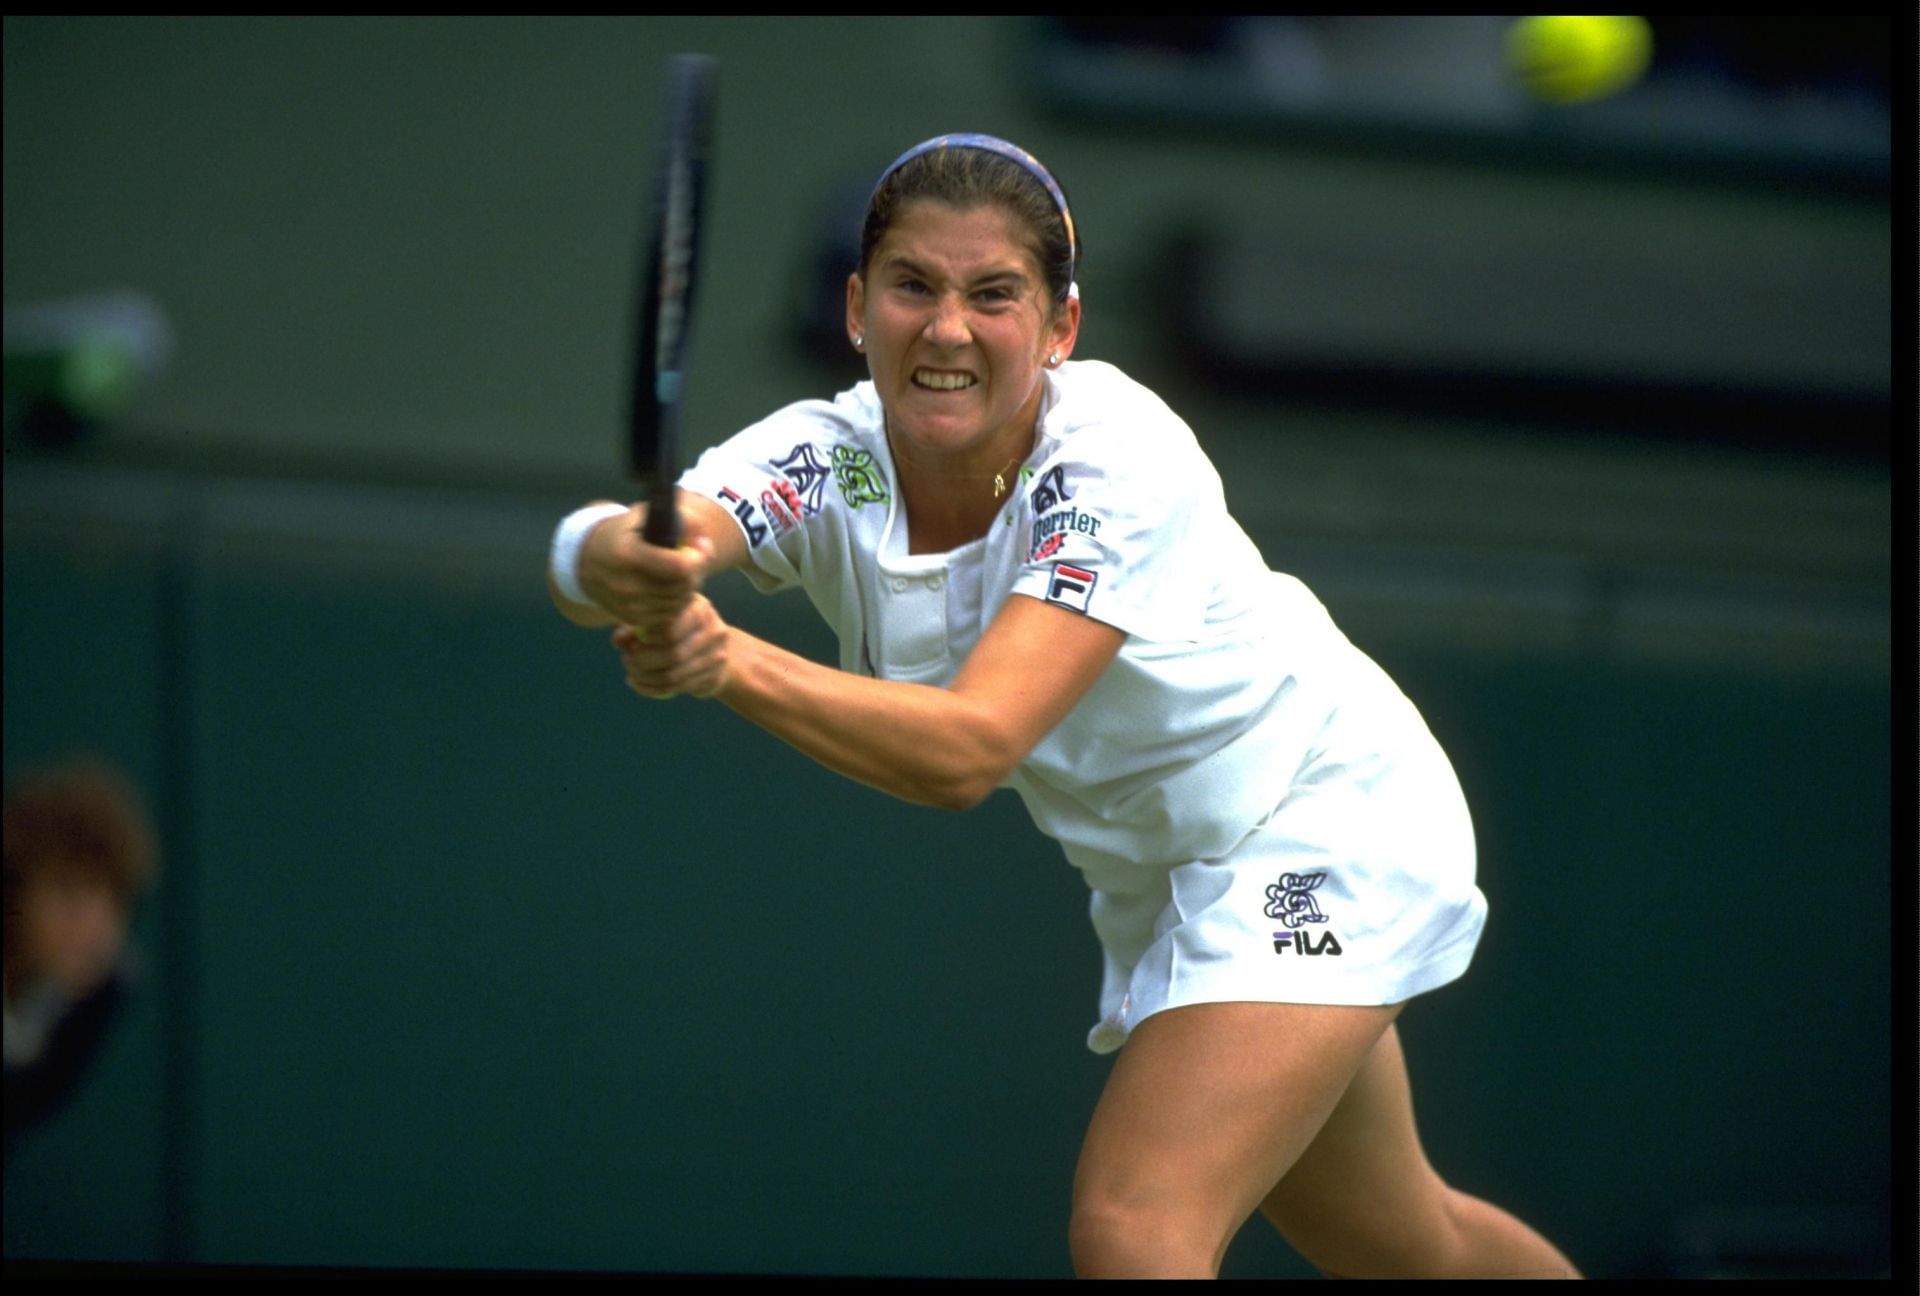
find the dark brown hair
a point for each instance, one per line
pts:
(81, 820)
(966, 178)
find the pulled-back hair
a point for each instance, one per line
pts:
(966, 177)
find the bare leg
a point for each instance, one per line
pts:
(1206, 1108)
(1363, 1201)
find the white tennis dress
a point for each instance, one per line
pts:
(1260, 814)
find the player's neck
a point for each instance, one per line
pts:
(936, 525)
(949, 505)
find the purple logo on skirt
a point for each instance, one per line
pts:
(1290, 901)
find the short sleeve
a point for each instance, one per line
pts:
(1117, 519)
(772, 479)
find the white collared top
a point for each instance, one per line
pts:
(1229, 670)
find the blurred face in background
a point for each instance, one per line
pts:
(79, 851)
(69, 930)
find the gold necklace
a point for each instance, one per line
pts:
(999, 478)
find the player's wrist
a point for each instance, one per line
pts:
(736, 680)
(569, 545)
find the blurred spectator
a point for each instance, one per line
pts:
(79, 852)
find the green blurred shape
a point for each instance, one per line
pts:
(94, 378)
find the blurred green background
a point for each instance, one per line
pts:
(1578, 419)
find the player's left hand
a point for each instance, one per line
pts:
(686, 655)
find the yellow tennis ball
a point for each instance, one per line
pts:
(1565, 59)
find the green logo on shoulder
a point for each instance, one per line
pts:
(859, 477)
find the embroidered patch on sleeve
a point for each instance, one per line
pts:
(782, 503)
(807, 474)
(1051, 491)
(858, 476)
(1071, 586)
(776, 510)
(1051, 530)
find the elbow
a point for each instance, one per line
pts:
(965, 782)
(959, 794)
(973, 754)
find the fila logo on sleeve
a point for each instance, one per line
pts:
(1071, 586)
(743, 509)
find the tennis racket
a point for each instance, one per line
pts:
(668, 260)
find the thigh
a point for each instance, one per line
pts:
(1363, 1194)
(1209, 1105)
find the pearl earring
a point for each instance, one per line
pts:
(859, 340)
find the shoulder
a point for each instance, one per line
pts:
(1100, 417)
(798, 449)
(843, 440)
(1087, 390)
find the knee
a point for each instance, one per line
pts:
(1109, 1240)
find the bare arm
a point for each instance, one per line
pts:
(946, 747)
(634, 583)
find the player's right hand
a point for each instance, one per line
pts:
(688, 655)
(638, 583)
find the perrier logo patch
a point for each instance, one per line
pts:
(858, 477)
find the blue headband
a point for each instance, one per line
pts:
(994, 144)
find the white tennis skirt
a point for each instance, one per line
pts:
(1358, 888)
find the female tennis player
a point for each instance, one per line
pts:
(1036, 584)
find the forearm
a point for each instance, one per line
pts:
(927, 745)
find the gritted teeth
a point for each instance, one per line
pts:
(942, 380)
